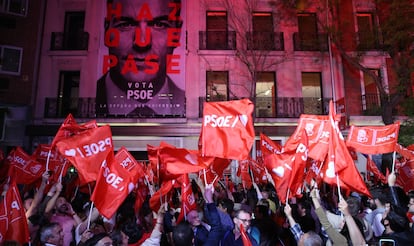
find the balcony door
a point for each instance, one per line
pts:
(265, 95)
(74, 30)
(68, 93)
(308, 31)
(312, 93)
(263, 36)
(216, 30)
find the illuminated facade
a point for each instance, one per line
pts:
(275, 53)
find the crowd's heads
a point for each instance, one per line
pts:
(100, 239)
(51, 233)
(226, 205)
(183, 235)
(119, 238)
(354, 205)
(193, 218)
(396, 222)
(133, 232)
(310, 238)
(242, 217)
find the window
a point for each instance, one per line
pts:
(14, 7)
(265, 95)
(216, 30)
(10, 59)
(308, 32)
(217, 86)
(68, 94)
(263, 36)
(312, 93)
(366, 32)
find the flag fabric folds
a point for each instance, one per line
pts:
(13, 221)
(23, 167)
(374, 139)
(115, 181)
(227, 129)
(188, 202)
(88, 150)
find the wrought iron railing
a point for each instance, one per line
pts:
(371, 104)
(265, 41)
(69, 41)
(217, 40)
(368, 41)
(284, 107)
(319, 43)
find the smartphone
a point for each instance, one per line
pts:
(386, 242)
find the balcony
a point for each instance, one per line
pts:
(217, 40)
(284, 107)
(319, 43)
(78, 107)
(265, 41)
(368, 41)
(69, 41)
(371, 104)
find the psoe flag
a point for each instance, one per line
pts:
(227, 131)
(374, 139)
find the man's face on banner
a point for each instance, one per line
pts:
(154, 45)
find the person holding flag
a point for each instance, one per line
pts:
(241, 234)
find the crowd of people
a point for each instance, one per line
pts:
(226, 217)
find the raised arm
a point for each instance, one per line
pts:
(38, 196)
(354, 233)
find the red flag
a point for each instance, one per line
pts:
(141, 193)
(243, 173)
(406, 176)
(56, 162)
(374, 139)
(26, 169)
(279, 167)
(159, 168)
(88, 150)
(298, 167)
(317, 129)
(340, 161)
(405, 152)
(13, 221)
(245, 238)
(267, 146)
(215, 170)
(371, 167)
(188, 202)
(181, 161)
(162, 195)
(258, 171)
(227, 130)
(115, 181)
(70, 127)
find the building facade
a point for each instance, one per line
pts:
(274, 52)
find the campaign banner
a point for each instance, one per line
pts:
(143, 73)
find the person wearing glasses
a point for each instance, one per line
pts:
(242, 221)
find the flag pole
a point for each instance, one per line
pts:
(393, 161)
(89, 216)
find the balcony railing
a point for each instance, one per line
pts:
(319, 43)
(371, 104)
(217, 40)
(83, 107)
(265, 41)
(284, 107)
(69, 41)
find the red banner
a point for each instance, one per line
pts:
(227, 129)
(115, 181)
(88, 150)
(374, 139)
(26, 169)
(13, 222)
(317, 129)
